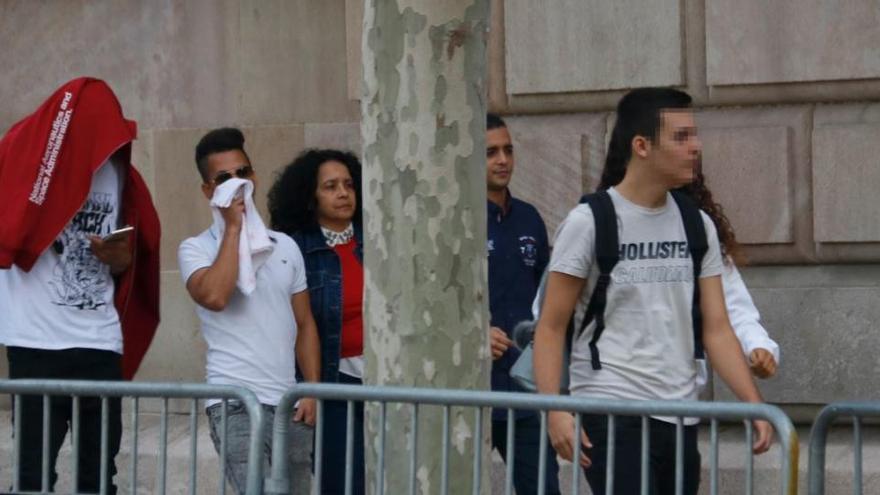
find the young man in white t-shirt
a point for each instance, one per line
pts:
(255, 340)
(59, 322)
(647, 348)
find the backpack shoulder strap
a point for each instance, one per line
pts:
(607, 256)
(697, 245)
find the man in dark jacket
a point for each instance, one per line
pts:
(518, 253)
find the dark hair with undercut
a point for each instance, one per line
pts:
(638, 114)
(218, 141)
(494, 121)
(292, 201)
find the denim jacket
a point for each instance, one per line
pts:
(325, 292)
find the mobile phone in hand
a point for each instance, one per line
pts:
(118, 234)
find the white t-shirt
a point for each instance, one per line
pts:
(251, 343)
(66, 300)
(647, 347)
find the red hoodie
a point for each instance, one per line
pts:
(47, 161)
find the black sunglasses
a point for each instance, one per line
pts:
(242, 172)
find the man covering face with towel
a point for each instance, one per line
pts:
(250, 287)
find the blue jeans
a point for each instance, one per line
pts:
(527, 437)
(237, 443)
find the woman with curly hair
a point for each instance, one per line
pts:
(761, 351)
(315, 200)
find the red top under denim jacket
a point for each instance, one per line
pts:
(352, 300)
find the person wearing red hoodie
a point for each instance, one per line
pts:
(77, 303)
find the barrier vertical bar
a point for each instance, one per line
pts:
(319, 446)
(193, 445)
(679, 456)
(478, 446)
(413, 448)
(223, 438)
(818, 443)
(105, 443)
(163, 446)
(75, 420)
(444, 472)
(349, 446)
(380, 475)
(508, 476)
(713, 457)
(132, 483)
(611, 454)
(576, 455)
(646, 459)
(47, 416)
(857, 455)
(16, 447)
(542, 455)
(257, 443)
(750, 459)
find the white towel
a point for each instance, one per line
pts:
(254, 246)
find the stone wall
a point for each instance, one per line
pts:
(787, 95)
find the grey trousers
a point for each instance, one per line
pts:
(238, 436)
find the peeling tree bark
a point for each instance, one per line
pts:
(425, 307)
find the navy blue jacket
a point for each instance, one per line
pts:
(518, 254)
(324, 276)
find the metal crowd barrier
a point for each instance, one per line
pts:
(819, 437)
(77, 389)
(279, 481)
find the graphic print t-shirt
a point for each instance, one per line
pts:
(66, 300)
(647, 347)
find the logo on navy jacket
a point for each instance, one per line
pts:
(528, 248)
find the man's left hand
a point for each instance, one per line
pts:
(306, 411)
(763, 436)
(114, 253)
(762, 363)
(499, 342)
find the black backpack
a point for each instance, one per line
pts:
(608, 254)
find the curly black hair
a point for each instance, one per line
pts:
(699, 191)
(292, 203)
